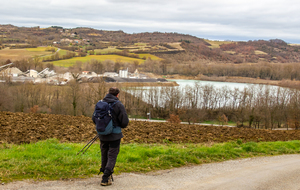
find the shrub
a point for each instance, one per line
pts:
(174, 119)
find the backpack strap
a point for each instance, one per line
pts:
(112, 104)
(110, 111)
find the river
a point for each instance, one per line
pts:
(231, 85)
(208, 93)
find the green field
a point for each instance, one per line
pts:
(51, 160)
(113, 49)
(71, 62)
(62, 52)
(15, 54)
(107, 50)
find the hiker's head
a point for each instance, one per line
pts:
(114, 91)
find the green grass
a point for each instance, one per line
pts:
(72, 61)
(62, 52)
(51, 160)
(219, 123)
(141, 117)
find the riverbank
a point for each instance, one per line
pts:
(282, 83)
(141, 84)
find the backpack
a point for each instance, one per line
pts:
(103, 117)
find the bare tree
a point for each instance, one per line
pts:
(74, 94)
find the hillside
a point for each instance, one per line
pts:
(165, 45)
(159, 53)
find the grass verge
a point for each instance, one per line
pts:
(51, 160)
(230, 123)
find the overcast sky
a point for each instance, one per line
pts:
(211, 19)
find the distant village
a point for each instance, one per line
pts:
(13, 74)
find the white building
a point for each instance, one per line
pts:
(123, 73)
(32, 73)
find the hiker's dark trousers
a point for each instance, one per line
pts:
(109, 153)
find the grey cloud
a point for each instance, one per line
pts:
(235, 19)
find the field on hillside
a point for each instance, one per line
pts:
(72, 61)
(152, 57)
(216, 44)
(107, 50)
(15, 54)
(137, 45)
(21, 128)
(176, 45)
(38, 49)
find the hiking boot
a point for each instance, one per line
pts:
(107, 182)
(107, 178)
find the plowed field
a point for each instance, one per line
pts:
(20, 128)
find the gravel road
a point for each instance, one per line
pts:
(261, 173)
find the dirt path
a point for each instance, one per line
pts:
(262, 173)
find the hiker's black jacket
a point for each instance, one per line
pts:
(120, 118)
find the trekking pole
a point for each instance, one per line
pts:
(88, 144)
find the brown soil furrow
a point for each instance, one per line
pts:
(20, 128)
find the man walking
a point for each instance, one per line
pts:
(110, 144)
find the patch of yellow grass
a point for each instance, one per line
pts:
(94, 34)
(257, 52)
(140, 44)
(216, 44)
(176, 45)
(294, 44)
(230, 52)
